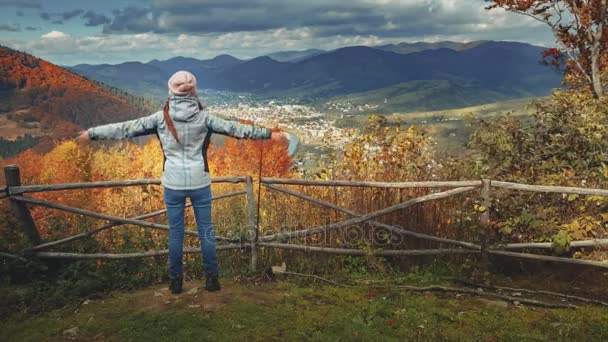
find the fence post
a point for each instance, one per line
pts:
(253, 228)
(13, 178)
(484, 223)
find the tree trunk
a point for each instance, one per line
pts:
(596, 85)
(596, 47)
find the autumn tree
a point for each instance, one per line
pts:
(242, 157)
(581, 34)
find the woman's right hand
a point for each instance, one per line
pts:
(279, 135)
(83, 137)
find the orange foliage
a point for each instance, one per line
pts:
(58, 96)
(69, 163)
(242, 157)
(29, 162)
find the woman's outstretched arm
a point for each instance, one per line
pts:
(235, 129)
(126, 129)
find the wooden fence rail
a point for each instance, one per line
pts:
(347, 251)
(394, 229)
(549, 245)
(550, 189)
(364, 218)
(17, 190)
(402, 185)
(115, 224)
(59, 255)
(19, 203)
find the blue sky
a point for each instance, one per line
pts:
(114, 31)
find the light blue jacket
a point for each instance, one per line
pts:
(185, 165)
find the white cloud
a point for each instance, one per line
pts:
(370, 40)
(390, 21)
(55, 35)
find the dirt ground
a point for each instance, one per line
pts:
(194, 296)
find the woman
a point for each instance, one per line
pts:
(184, 130)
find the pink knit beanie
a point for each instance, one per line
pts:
(182, 83)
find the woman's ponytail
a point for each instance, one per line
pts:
(169, 122)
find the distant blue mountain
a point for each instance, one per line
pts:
(123, 70)
(510, 68)
(422, 46)
(137, 77)
(295, 56)
(248, 75)
(151, 78)
(218, 63)
(507, 69)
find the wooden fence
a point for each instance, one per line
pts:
(16, 193)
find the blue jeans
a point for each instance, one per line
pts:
(175, 200)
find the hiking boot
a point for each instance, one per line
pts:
(212, 282)
(176, 285)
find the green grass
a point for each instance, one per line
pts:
(429, 95)
(449, 127)
(286, 311)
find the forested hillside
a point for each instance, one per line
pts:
(42, 103)
(55, 97)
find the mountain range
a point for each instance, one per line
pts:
(403, 48)
(40, 99)
(506, 69)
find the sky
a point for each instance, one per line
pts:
(115, 31)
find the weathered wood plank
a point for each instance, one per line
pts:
(484, 225)
(399, 230)
(549, 258)
(140, 217)
(549, 189)
(366, 217)
(549, 245)
(310, 199)
(36, 201)
(59, 255)
(93, 214)
(394, 229)
(438, 184)
(541, 292)
(251, 220)
(12, 256)
(484, 294)
(347, 251)
(17, 190)
(20, 210)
